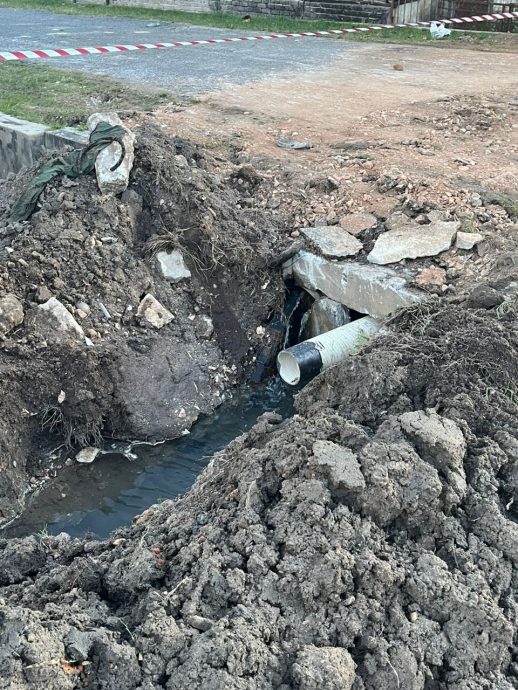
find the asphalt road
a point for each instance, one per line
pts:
(186, 71)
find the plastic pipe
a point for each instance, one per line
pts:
(305, 360)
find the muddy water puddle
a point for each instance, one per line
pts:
(104, 495)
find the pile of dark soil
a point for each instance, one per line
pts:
(368, 542)
(97, 255)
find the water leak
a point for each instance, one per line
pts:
(108, 493)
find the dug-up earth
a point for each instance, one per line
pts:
(370, 541)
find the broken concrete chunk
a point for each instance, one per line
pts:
(324, 316)
(438, 440)
(412, 241)
(152, 313)
(319, 668)
(332, 241)
(113, 181)
(55, 323)
(468, 240)
(172, 266)
(367, 289)
(87, 455)
(340, 465)
(356, 223)
(11, 314)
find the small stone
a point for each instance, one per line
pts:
(109, 180)
(203, 326)
(11, 314)
(69, 462)
(333, 242)
(356, 223)
(295, 233)
(58, 284)
(468, 240)
(87, 455)
(475, 200)
(61, 397)
(413, 616)
(172, 266)
(340, 465)
(433, 276)
(42, 294)
(437, 215)
(81, 314)
(83, 306)
(199, 622)
(151, 312)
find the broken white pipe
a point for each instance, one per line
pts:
(309, 358)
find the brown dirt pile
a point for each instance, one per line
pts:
(368, 542)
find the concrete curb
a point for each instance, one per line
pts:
(22, 142)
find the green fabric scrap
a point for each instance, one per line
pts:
(76, 163)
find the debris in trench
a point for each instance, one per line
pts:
(293, 145)
(332, 241)
(53, 322)
(74, 164)
(172, 266)
(151, 312)
(87, 455)
(468, 240)
(112, 167)
(412, 240)
(11, 314)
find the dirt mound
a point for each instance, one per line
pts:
(97, 255)
(368, 542)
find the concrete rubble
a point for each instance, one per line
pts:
(55, 324)
(172, 266)
(113, 181)
(11, 314)
(332, 242)
(468, 240)
(87, 455)
(324, 315)
(366, 289)
(151, 312)
(411, 241)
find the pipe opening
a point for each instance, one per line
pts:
(289, 369)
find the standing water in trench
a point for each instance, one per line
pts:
(99, 497)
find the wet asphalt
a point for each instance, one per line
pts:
(186, 71)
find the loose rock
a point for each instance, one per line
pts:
(55, 323)
(151, 312)
(11, 314)
(172, 266)
(87, 455)
(468, 240)
(333, 242)
(413, 241)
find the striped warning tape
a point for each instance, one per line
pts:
(9, 55)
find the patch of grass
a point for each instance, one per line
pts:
(61, 98)
(272, 24)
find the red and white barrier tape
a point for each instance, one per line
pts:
(6, 56)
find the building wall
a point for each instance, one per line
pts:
(338, 10)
